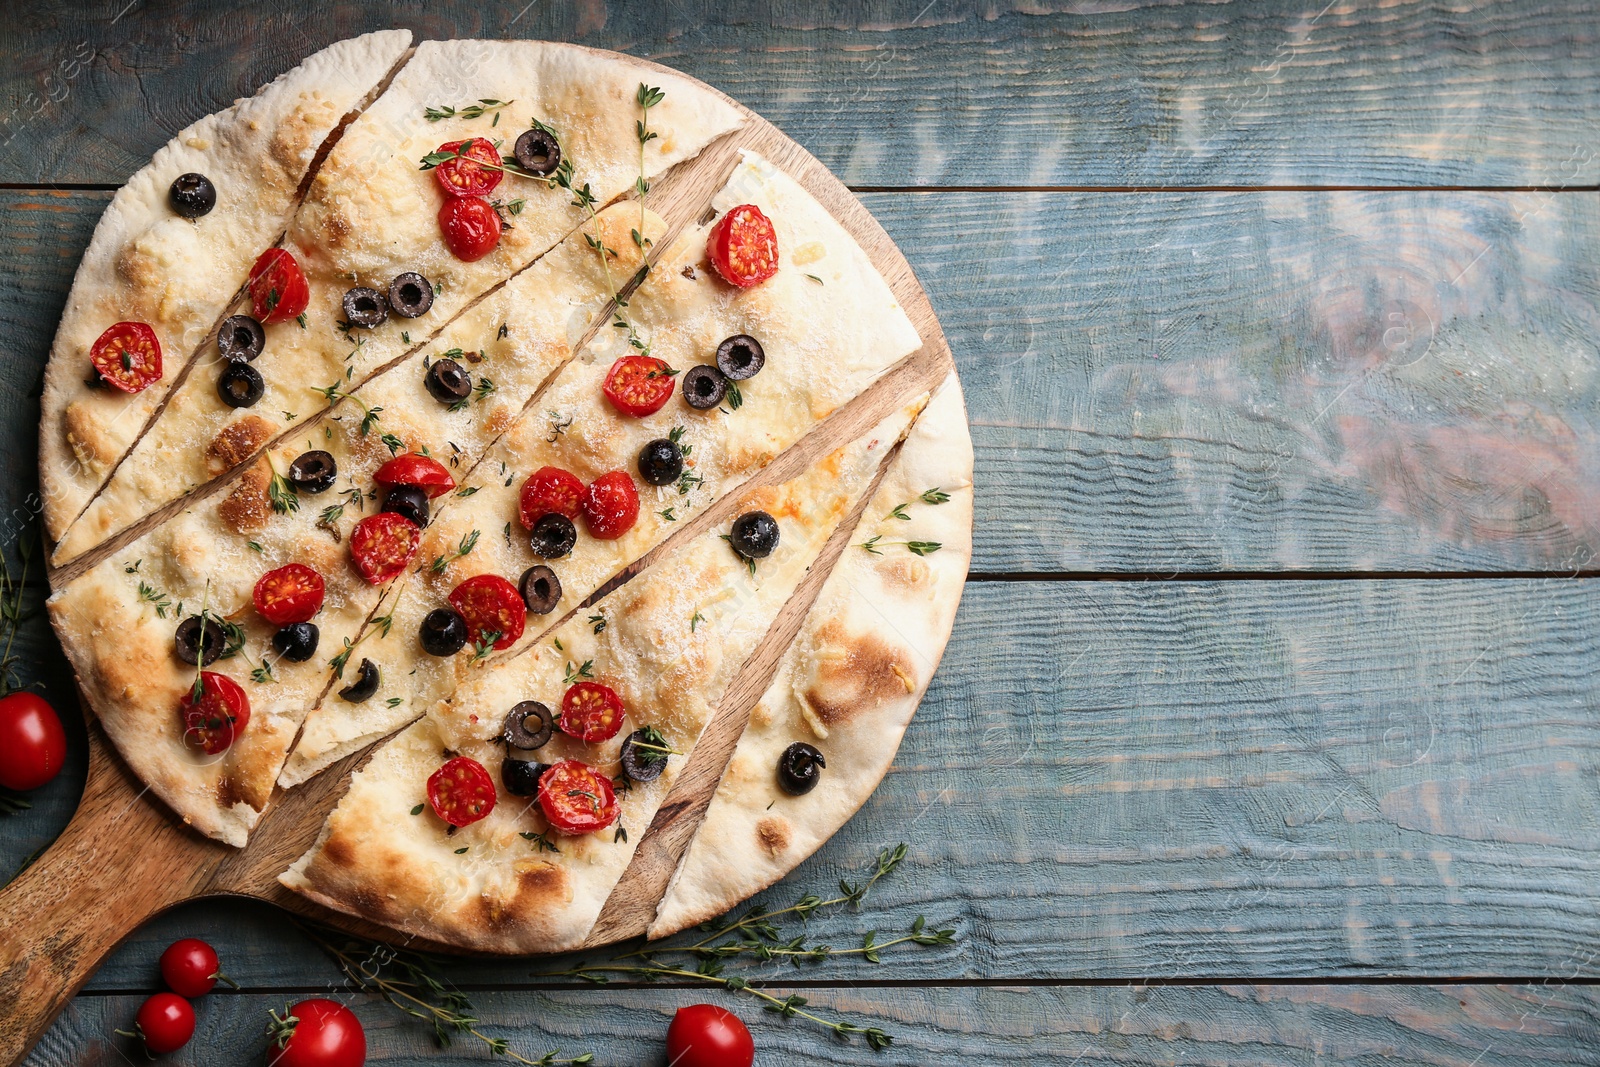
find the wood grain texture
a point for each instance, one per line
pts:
(911, 93)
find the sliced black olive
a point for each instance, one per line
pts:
(410, 295)
(540, 589)
(364, 306)
(537, 152)
(187, 641)
(641, 764)
(192, 195)
(553, 536)
(660, 461)
(754, 535)
(240, 386)
(529, 725)
(448, 381)
(521, 777)
(240, 338)
(313, 472)
(365, 685)
(444, 633)
(704, 387)
(409, 501)
(297, 643)
(741, 356)
(799, 769)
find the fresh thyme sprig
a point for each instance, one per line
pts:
(469, 541)
(877, 544)
(647, 98)
(471, 111)
(585, 671)
(281, 492)
(11, 594)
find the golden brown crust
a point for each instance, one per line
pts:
(237, 442)
(861, 674)
(248, 507)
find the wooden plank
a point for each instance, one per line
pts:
(905, 93)
(1458, 1025)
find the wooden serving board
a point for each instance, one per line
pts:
(125, 856)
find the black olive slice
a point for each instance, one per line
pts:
(364, 306)
(540, 589)
(521, 777)
(448, 381)
(240, 386)
(365, 685)
(409, 501)
(800, 768)
(660, 461)
(240, 338)
(313, 472)
(192, 195)
(704, 387)
(444, 633)
(754, 535)
(529, 725)
(537, 152)
(187, 640)
(410, 295)
(297, 642)
(741, 356)
(642, 764)
(553, 536)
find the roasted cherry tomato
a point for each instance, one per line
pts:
(490, 605)
(639, 385)
(591, 712)
(576, 798)
(743, 246)
(424, 472)
(218, 717)
(278, 289)
(127, 356)
(383, 545)
(550, 490)
(471, 227)
(466, 174)
(324, 1033)
(611, 505)
(704, 1035)
(461, 792)
(190, 967)
(292, 593)
(165, 1023)
(32, 744)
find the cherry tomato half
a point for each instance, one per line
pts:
(466, 174)
(215, 721)
(166, 1023)
(591, 712)
(278, 289)
(471, 227)
(576, 798)
(424, 472)
(32, 744)
(550, 490)
(127, 356)
(325, 1034)
(383, 545)
(743, 246)
(704, 1035)
(639, 385)
(292, 593)
(190, 968)
(611, 505)
(490, 605)
(461, 792)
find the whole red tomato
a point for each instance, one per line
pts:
(165, 1023)
(190, 967)
(704, 1035)
(317, 1033)
(32, 743)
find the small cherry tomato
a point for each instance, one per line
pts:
(165, 1023)
(704, 1035)
(424, 472)
(218, 717)
(591, 712)
(550, 490)
(576, 798)
(317, 1033)
(33, 746)
(127, 356)
(461, 792)
(639, 385)
(466, 174)
(383, 545)
(278, 289)
(292, 593)
(490, 605)
(611, 505)
(743, 246)
(190, 968)
(471, 227)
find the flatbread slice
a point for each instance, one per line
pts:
(372, 213)
(676, 637)
(850, 682)
(147, 264)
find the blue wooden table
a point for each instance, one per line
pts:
(1270, 728)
